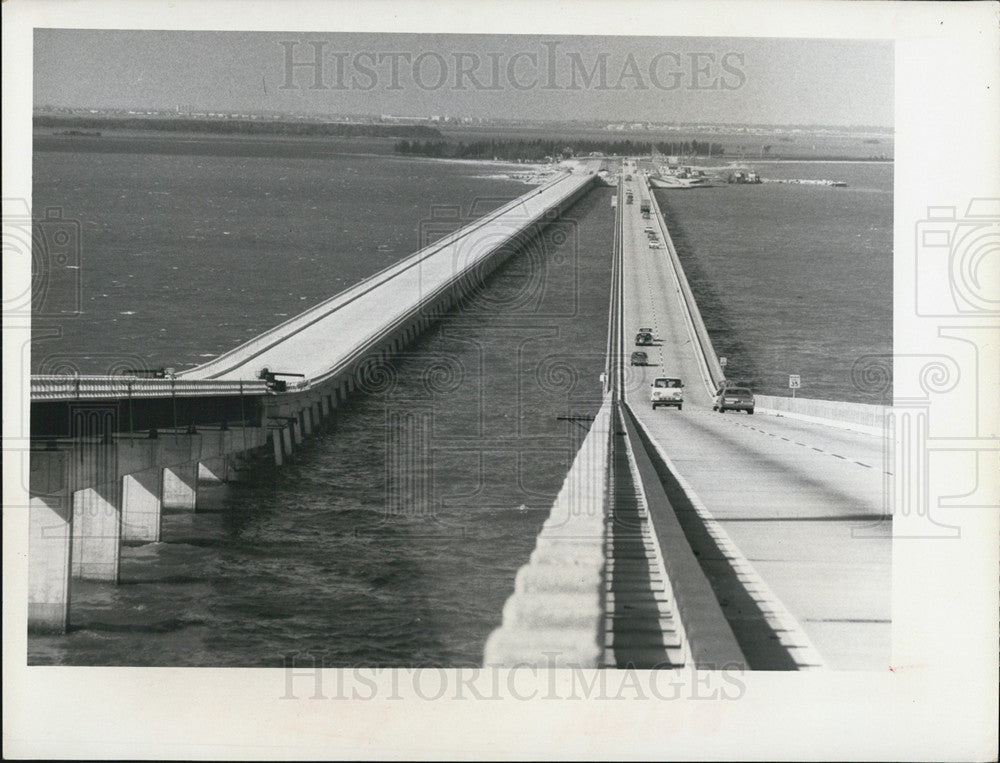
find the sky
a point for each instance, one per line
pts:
(662, 79)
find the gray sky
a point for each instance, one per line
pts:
(781, 81)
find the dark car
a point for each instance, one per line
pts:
(734, 399)
(639, 359)
(644, 336)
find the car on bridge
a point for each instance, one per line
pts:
(639, 359)
(667, 390)
(734, 399)
(644, 336)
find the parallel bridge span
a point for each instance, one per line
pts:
(109, 452)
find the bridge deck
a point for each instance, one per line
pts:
(320, 341)
(803, 503)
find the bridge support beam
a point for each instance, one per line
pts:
(97, 532)
(142, 506)
(180, 486)
(50, 516)
(306, 414)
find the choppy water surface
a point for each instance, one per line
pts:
(393, 537)
(792, 279)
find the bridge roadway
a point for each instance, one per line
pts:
(803, 503)
(324, 340)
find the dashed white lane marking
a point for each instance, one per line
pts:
(804, 445)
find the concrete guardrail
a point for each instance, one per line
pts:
(708, 353)
(555, 617)
(859, 417)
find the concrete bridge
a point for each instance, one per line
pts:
(110, 452)
(678, 538)
(700, 538)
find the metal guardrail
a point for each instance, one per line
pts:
(62, 387)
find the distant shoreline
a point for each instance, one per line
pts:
(61, 132)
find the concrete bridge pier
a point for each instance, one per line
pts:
(238, 466)
(281, 419)
(180, 486)
(96, 532)
(50, 517)
(89, 495)
(142, 506)
(277, 445)
(315, 412)
(214, 470)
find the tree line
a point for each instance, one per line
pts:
(541, 149)
(241, 126)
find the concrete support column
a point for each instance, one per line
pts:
(50, 517)
(214, 469)
(286, 438)
(142, 505)
(276, 436)
(237, 466)
(297, 428)
(325, 406)
(307, 420)
(180, 486)
(97, 532)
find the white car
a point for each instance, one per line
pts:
(667, 390)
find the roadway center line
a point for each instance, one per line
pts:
(813, 447)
